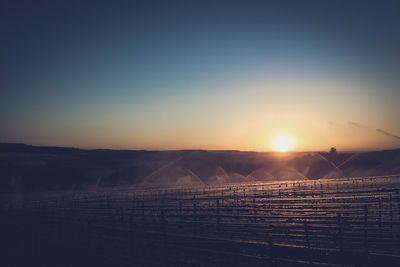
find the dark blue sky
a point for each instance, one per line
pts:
(180, 74)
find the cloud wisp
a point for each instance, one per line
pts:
(388, 134)
(358, 125)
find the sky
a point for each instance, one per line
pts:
(200, 74)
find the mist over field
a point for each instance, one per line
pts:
(40, 169)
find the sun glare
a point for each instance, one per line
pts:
(282, 142)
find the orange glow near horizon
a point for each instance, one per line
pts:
(250, 120)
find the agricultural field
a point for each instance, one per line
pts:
(328, 222)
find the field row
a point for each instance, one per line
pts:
(258, 223)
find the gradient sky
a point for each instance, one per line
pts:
(200, 74)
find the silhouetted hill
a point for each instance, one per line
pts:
(34, 168)
(23, 148)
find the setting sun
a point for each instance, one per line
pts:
(282, 142)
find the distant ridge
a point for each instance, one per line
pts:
(22, 147)
(18, 147)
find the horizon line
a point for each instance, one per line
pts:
(198, 149)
